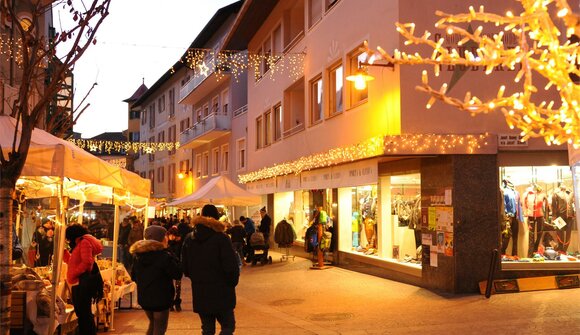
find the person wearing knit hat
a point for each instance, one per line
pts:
(211, 263)
(154, 270)
(156, 233)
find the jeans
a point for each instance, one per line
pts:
(82, 303)
(226, 320)
(157, 322)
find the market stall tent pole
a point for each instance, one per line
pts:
(114, 265)
(146, 216)
(58, 251)
(81, 212)
(18, 218)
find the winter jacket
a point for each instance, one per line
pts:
(249, 227)
(82, 257)
(284, 234)
(265, 225)
(209, 260)
(237, 233)
(154, 269)
(136, 234)
(124, 232)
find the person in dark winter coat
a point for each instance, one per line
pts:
(154, 270)
(210, 261)
(238, 234)
(174, 243)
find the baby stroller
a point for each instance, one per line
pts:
(259, 249)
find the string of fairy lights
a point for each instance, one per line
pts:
(373, 147)
(126, 146)
(234, 63)
(540, 51)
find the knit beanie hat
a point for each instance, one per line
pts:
(211, 211)
(156, 233)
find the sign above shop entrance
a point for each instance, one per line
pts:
(511, 140)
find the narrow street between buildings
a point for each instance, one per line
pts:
(290, 298)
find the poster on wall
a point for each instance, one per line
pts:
(433, 258)
(440, 218)
(448, 243)
(440, 242)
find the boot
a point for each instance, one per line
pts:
(177, 304)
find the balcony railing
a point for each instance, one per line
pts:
(209, 128)
(240, 110)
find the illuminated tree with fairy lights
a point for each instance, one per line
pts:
(543, 49)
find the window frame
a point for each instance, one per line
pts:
(225, 158)
(215, 159)
(355, 97)
(316, 97)
(242, 152)
(198, 166)
(259, 132)
(278, 121)
(267, 128)
(205, 164)
(332, 93)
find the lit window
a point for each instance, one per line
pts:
(335, 89)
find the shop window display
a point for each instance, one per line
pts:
(384, 219)
(538, 222)
(364, 221)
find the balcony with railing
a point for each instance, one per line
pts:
(213, 126)
(203, 82)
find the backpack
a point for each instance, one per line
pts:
(257, 238)
(92, 282)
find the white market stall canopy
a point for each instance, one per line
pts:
(52, 160)
(219, 191)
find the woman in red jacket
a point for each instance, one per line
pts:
(84, 247)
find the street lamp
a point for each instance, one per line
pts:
(361, 76)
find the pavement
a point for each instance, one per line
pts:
(288, 297)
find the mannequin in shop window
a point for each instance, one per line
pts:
(563, 206)
(534, 209)
(512, 216)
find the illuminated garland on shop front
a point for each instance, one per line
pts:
(370, 148)
(434, 143)
(539, 51)
(373, 147)
(118, 146)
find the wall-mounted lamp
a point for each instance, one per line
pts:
(361, 76)
(183, 174)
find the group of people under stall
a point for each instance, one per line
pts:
(548, 216)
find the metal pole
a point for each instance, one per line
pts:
(114, 264)
(491, 275)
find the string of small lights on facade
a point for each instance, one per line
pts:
(373, 147)
(119, 146)
(207, 61)
(434, 143)
(539, 51)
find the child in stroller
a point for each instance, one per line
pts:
(259, 249)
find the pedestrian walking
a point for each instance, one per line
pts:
(174, 243)
(210, 261)
(154, 270)
(81, 262)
